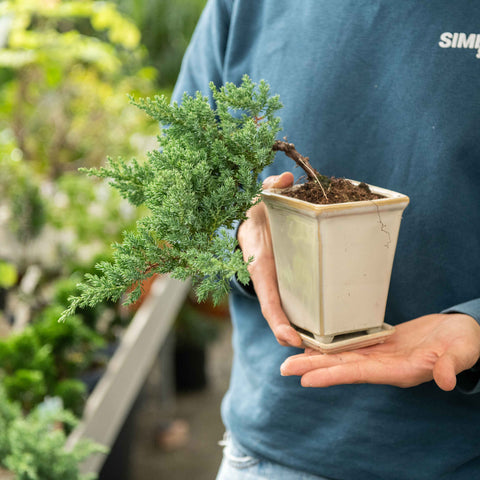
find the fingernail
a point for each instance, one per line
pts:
(282, 369)
(305, 384)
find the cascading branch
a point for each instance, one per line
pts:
(202, 179)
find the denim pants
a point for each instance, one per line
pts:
(238, 465)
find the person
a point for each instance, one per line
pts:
(387, 93)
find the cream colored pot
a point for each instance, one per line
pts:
(334, 264)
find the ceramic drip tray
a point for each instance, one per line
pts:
(347, 341)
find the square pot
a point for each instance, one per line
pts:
(334, 264)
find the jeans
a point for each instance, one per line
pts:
(238, 465)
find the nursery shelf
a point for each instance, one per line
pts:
(112, 398)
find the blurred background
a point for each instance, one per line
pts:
(66, 68)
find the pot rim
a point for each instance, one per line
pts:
(392, 199)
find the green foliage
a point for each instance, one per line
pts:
(66, 68)
(32, 447)
(43, 358)
(166, 29)
(90, 209)
(203, 178)
(27, 210)
(26, 386)
(24, 351)
(72, 346)
(73, 394)
(8, 274)
(8, 412)
(27, 207)
(27, 368)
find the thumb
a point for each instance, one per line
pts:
(444, 372)
(283, 180)
(455, 360)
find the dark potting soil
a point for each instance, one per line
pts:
(340, 190)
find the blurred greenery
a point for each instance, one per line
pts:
(32, 446)
(166, 27)
(66, 68)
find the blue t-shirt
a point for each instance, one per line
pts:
(385, 92)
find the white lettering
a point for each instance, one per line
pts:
(460, 40)
(455, 40)
(446, 40)
(466, 42)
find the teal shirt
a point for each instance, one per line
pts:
(386, 92)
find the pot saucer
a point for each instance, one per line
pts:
(347, 341)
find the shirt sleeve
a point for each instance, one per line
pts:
(468, 382)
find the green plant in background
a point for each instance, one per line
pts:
(46, 359)
(65, 70)
(204, 177)
(73, 348)
(66, 67)
(8, 274)
(26, 367)
(91, 210)
(33, 447)
(28, 214)
(27, 206)
(166, 29)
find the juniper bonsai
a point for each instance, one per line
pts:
(202, 179)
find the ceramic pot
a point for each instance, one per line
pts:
(334, 264)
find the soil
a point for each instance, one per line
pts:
(340, 190)
(320, 189)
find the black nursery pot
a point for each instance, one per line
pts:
(190, 367)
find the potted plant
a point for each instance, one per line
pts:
(204, 178)
(334, 243)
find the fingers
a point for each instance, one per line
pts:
(444, 372)
(305, 362)
(255, 241)
(435, 346)
(276, 319)
(264, 277)
(455, 360)
(283, 180)
(326, 370)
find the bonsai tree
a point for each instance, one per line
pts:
(202, 179)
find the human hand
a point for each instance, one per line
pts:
(437, 346)
(255, 240)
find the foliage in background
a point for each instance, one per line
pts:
(66, 68)
(47, 358)
(32, 447)
(166, 28)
